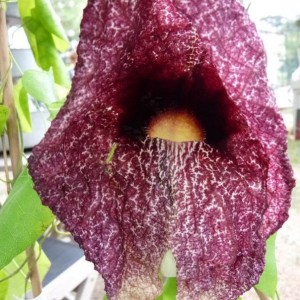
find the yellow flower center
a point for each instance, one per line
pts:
(176, 126)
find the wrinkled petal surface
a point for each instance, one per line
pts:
(128, 198)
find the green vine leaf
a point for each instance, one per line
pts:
(268, 280)
(4, 114)
(25, 7)
(16, 284)
(45, 52)
(40, 85)
(22, 106)
(45, 36)
(45, 13)
(23, 219)
(170, 289)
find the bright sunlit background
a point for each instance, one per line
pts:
(278, 23)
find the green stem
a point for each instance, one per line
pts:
(59, 232)
(15, 272)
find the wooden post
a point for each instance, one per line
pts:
(12, 125)
(34, 273)
(13, 135)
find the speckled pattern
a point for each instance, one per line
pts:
(128, 198)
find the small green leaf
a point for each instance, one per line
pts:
(25, 7)
(268, 280)
(22, 106)
(44, 43)
(170, 289)
(16, 283)
(23, 219)
(45, 13)
(4, 114)
(105, 297)
(40, 85)
(42, 39)
(45, 52)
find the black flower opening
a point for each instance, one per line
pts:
(200, 93)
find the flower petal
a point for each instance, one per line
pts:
(128, 198)
(245, 81)
(219, 202)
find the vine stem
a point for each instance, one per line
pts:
(13, 136)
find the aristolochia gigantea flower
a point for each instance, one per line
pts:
(169, 142)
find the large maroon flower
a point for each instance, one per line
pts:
(129, 193)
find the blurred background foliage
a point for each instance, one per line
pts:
(70, 13)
